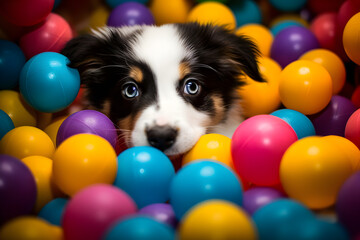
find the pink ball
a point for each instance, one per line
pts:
(257, 147)
(352, 129)
(91, 211)
(48, 36)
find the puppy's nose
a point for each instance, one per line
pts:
(161, 137)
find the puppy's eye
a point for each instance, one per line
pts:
(130, 90)
(192, 87)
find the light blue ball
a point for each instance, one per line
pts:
(145, 174)
(6, 124)
(269, 218)
(47, 83)
(245, 11)
(288, 6)
(283, 25)
(203, 180)
(140, 228)
(53, 211)
(115, 3)
(301, 124)
(12, 60)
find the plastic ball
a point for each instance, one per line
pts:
(350, 38)
(18, 110)
(25, 12)
(12, 60)
(212, 13)
(324, 28)
(274, 215)
(83, 160)
(355, 97)
(312, 171)
(261, 97)
(93, 210)
(258, 145)
(332, 120)
(47, 83)
(139, 227)
(50, 36)
(288, 6)
(6, 124)
(278, 27)
(26, 141)
(305, 86)
(29, 227)
(162, 212)
(246, 12)
(222, 219)
(291, 43)
(87, 121)
(260, 35)
(17, 189)
(176, 11)
(145, 174)
(256, 197)
(203, 180)
(290, 17)
(301, 124)
(115, 3)
(211, 146)
(347, 204)
(130, 14)
(52, 129)
(333, 64)
(53, 211)
(322, 6)
(352, 128)
(98, 18)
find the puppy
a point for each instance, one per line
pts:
(165, 86)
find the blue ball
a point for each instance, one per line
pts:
(140, 228)
(203, 180)
(12, 60)
(115, 3)
(47, 83)
(6, 124)
(282, 25)
(145, 174)
(301, 124)
(245, 11)
(53, 211)
(274, 215)
(288, 6)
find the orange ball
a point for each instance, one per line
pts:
(52, 129)
(174, 11)
(351, 40)
(305, 86)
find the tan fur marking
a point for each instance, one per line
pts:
(219, 110)
(184, 69)
(136, 74)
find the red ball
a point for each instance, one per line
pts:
(322, 6)
(48, 36)
(324, 28)
(355, 97)
(352, 129)
(25, 12)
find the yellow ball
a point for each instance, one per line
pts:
(213, 13)
(41, 168)
(52, 129)
(30, 228)
(99, 18)
(217, 219)
(312, 171)
(26, 141)
(332, 63)
(351, 40)
(305, 86)
(20, 113)
(262, 98)
(258, 34)
(211, 146)
(174, 11)
(82, 160)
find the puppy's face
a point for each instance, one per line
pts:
(163, 86)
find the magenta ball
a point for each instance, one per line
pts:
(347, 205)
(93, 210)
(87, 121)
(257, 147)
(290, 43)
(17, 189)
(256, 197)
(129, 14)
(332, 120)
(162, 212)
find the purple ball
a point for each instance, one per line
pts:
(162, 212)
(129, 14)
(332, 120)
(348, 204)
(87, 121)
(290, 43)
(257, 197)
(17, 189)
